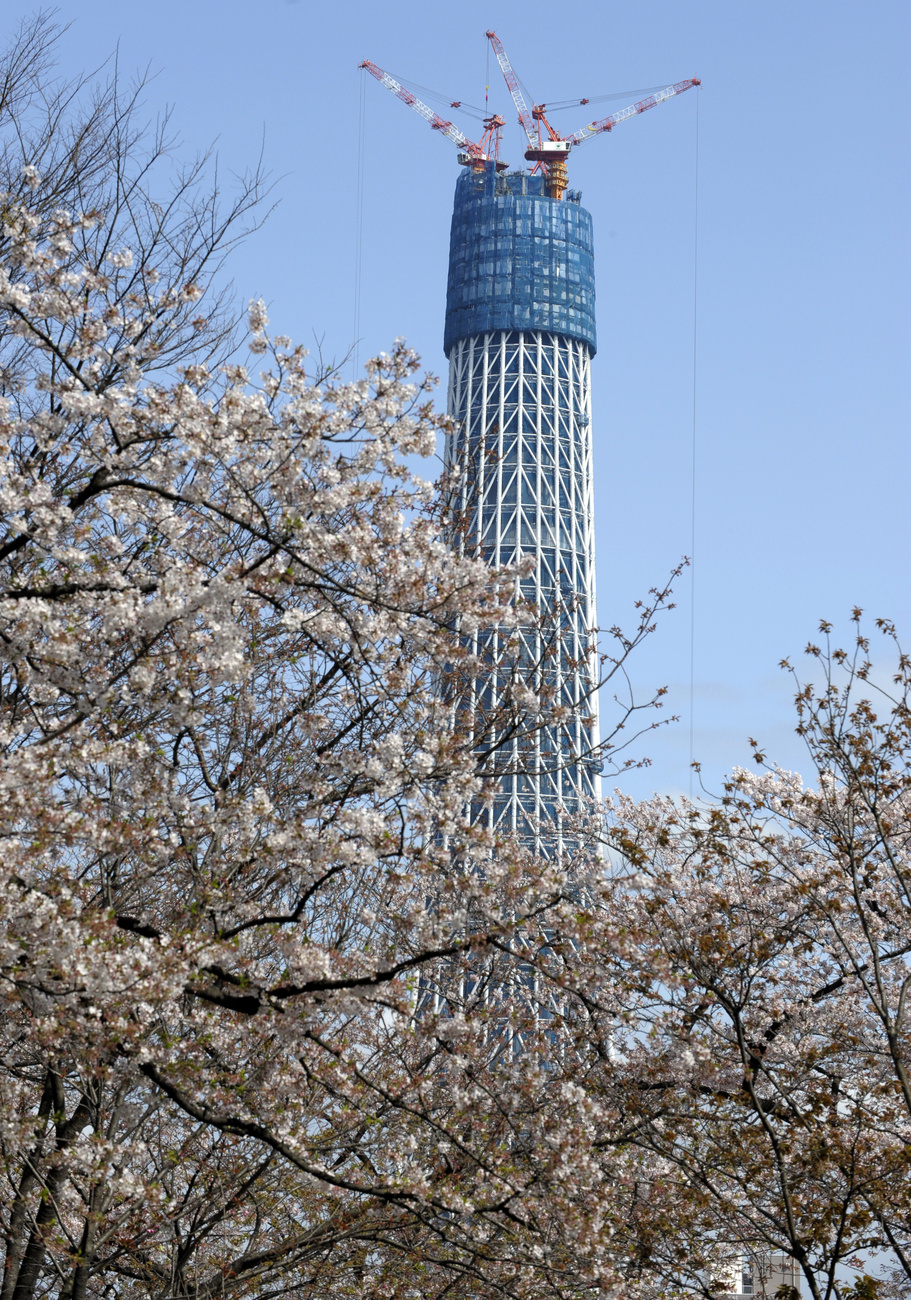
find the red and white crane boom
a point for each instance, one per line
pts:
(512, 82)
(437, 123)
(486, 151)
(608, 123)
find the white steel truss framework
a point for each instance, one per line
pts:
(521, 403)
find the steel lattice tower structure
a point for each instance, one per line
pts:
(520, 335)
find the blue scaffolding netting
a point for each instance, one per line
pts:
(518, 260)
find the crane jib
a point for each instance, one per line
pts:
(596, 128)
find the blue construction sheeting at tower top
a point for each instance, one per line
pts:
(518, 260)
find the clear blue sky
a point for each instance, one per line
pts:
(803, 284)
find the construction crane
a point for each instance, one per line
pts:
(485, 150)
(547, 149)
(549, 153)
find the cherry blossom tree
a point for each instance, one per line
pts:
(766, 960)
(276, 1015)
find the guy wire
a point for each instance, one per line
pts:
(693, 453)
(359, 230)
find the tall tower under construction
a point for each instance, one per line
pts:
(520, 335)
